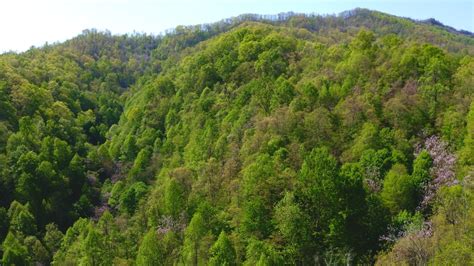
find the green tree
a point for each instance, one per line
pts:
(174, 198)
(130, 197)
(421, 175)
(292, 223)
(194, 249)
(14, 252)
(141, 162)
(93, 249)
(466, 153)
(398, 190)
(52, 239)
(262, 253)
(318, 193)
(150, 251)
(21, 220)
(222, 251)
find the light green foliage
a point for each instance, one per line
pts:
(93, 249)
(421, 175)
(52, 239)
(467, 151)
(222, 252)
(368, 138)
(292, 223)
(398, 190)
(195, 250)
(262, 253)
(174, 198)
(375, 163)
(151, 250)
(450, 238)
(14, 252)
(71, 248)
(37, 250)
(21, 220)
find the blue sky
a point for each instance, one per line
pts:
(25, 23)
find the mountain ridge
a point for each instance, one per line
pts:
(284, 17)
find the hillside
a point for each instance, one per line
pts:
(256, 140)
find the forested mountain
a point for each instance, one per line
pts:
(258, 140)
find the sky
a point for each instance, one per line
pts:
(26, 23)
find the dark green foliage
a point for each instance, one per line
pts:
(132, 196)
(4, 223)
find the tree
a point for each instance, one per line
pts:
(21, 220)
(39, 254)
(466, 153)
(128, 148)
(93, 249)
(368, 138)
(130, 197)
(29, 184)
(421, 175)
(435, 78)
(222, 252)
(262, 253)
(76, 174)
(375, 164)
(14, 252)
(151, 250)
(110, 235)
(71, 248)
(52, 239)
(141, 162)
(261, 187)
(194, 251)
(292, 223)
(398, 190)
(318, 193)
(117, 190)
(256, 218)
(283, 93)
(271, 62)
(174, 197)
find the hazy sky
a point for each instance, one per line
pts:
(24, 23)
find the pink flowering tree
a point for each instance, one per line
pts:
(442, 169)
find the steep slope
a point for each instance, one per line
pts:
(231, 140)
(289, 139)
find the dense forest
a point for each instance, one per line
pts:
(258, 140)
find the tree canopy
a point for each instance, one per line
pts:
(257, 140)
